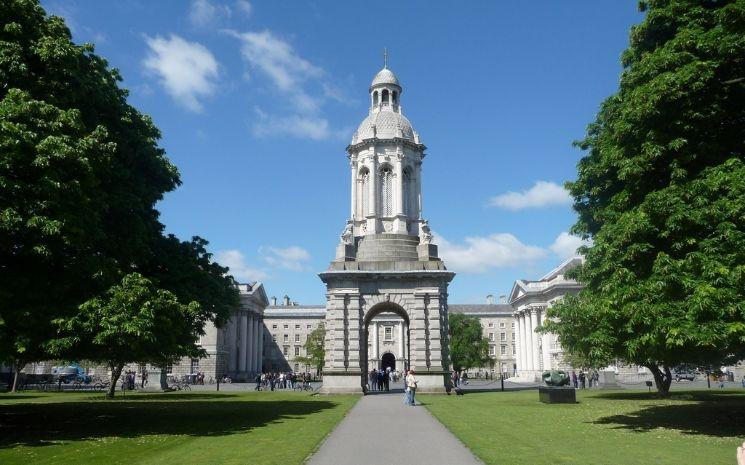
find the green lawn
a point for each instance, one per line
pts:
(602, 428)
(183, 428)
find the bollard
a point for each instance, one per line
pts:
(501, 379)
(218, 383)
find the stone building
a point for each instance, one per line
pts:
(529, 299)
(385, 262)
(498, 326)
(286, 329)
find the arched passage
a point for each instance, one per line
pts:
(384, 339)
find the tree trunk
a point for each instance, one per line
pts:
(662, 379)
(116, 371)
(163, 378)
(16, 366)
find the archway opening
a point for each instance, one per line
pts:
(384, 344)
(388, 362)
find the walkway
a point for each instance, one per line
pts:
(381, 429)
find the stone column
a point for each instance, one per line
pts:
(535, 336)
(418, 193)
(336, 327)
(373, 200)
(261, 345)
(353, 186)
(243, 327)
(354, 315)
(375, 344)
(524, 341)
(249, 343)
(434, 333)
(519, 348)
(400, 331)
(418, 335)
(255, 344)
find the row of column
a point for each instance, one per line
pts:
(251, 343)
(528, 356)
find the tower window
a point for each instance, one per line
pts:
(386, 191)
(375, 98)
(394, 96)
(385, 96)
(364, 190)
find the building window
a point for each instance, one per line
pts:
(194, 366)
(503, 350)
(502, 336)
(491, 336)
(307, 326)
(513, 325)
(388, 333)
(297, 337)
(501, 325)
(274, 326)
(297, 326)
(169, 368)
(297, 367)
(386, 191)
(287, 338)
(491, 325)
(491, 350)
(297, 350)
(513, 336)
(274, 338)
(285, 350)
(287, 326)
(514, 349)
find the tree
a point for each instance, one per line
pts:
(661, 192)
(468, 346)
(134, 320)
(315, 350)
(80, 174)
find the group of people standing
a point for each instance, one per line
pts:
(459, 377)
(282, 380)
(585, 379)
(380, 380)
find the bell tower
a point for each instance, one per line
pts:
(385, 260)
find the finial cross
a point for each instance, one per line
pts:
(385, 57)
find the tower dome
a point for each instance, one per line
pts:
(385, 76)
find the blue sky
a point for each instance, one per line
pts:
(257, 101)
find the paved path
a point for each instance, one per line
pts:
(381, 429)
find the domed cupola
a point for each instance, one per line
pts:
(385, 119)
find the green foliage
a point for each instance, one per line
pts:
(315, 349)
(661, 191)
(80, 174)
(134, 320)
(468, 346)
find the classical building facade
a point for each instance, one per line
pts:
(385, 262)
(537, 352)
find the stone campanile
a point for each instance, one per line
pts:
(385, 261)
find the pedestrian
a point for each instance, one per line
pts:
(464, 377)
(411, 383)
(455, 378)
(258, 382)
(574, 379)
(743, 381)
(387, 380)
(582, 379)
(144, 378)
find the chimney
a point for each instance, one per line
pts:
(502, 299)
(490, 300)
(274, 301)
(286, 301)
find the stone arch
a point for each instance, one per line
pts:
(376, 306)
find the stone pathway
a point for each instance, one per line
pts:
(380, 429)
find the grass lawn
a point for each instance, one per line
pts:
(694, 427)
(183, 428)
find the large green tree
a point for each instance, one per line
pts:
(468, 346)
(80, 174)
(134, 320)
(661, 192)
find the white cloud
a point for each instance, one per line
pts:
(187, 70)
(313, 127)
(236, 261)
(292, 258)
(566, 245)
(203, 13)
(301, 84)
(244, 7)
(542, 194)
(481, 254)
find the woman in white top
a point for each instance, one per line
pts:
(410, 388)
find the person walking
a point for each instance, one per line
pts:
(582, 378)
(387, 380)
(411, 383)
(455, 378)
(574, 379)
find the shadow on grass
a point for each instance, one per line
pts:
(711, 414)
(45, 424)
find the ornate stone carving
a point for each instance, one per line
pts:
(347, 236)
(426, 234)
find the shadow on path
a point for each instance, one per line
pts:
(43, 424)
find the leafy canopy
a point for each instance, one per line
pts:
(661, 191)
(315, 349)
(468, 346)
